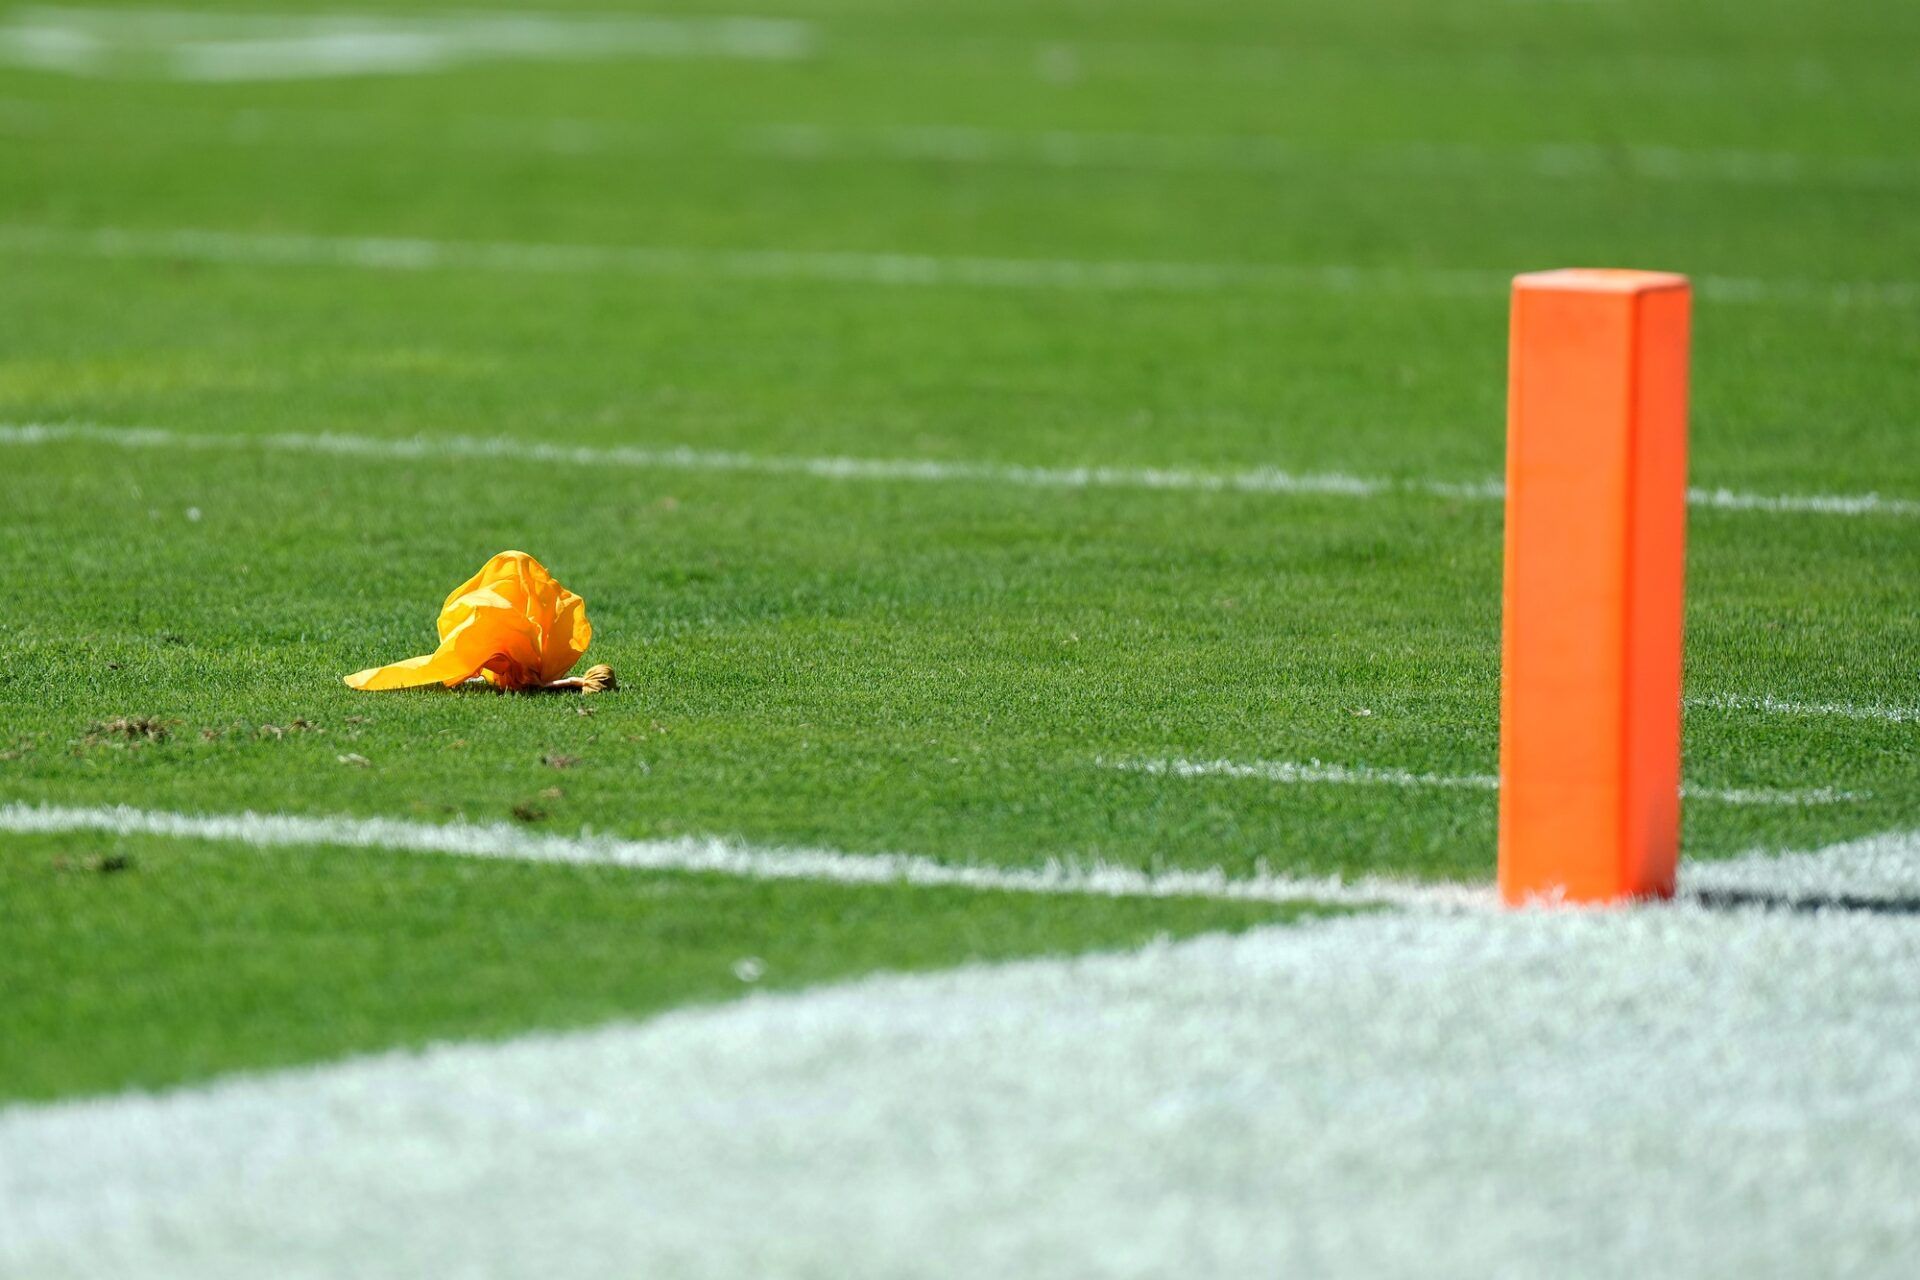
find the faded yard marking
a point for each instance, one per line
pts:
(1255, 480)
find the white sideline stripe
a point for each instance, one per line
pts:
(1297, 773)
(1770, 705)
(396, 253)
(1269, 480)
(718, 856)
(1721, 1092)
(217, 47)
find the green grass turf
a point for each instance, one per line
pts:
(937, 669)
(135, 962)
(922, 668)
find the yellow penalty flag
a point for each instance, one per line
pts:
(511, 624)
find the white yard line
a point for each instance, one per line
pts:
(1670, 1091)
(1766, 704)
(170, 44)
(1042, 148)
(1837, 504)
(1073, 149)
(1303, 772)
(1257, 480)
(215, 46)
(1266, 480)
(394, 253)
(1878, 867)
(1297, 773)
(718, 856)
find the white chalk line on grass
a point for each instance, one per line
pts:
(1315, 772)
(1769, 705)
(224, 45)
(1256, 480)
(1721, 1092)
(394, 253)
(718, 856)
(1879, 867)
(228, 47)
(1834, 504)
(1075, 149)
(399, 253)
(1045, 148)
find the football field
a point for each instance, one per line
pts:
(1035, 468)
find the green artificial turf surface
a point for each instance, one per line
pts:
(929, 668)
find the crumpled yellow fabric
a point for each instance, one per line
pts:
(510, 622)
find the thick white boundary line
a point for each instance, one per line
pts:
(1298, 773)
(396, 253)
(1723, 1092)
(716, 856)
(1269, 480)
(1883, 868)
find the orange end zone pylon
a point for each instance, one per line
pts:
(1595, 544)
